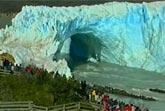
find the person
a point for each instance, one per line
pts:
(29, 69)
(12, 69)
(107, 107)
(17, 68)
(105, 100)
(133, 107)
(1, 64)
(122, 104)
(137, 109)
(97, 97)
(117, 108)
(93, 95)
(83, 88)
(90, 97)
(127, 108)
(6, 64)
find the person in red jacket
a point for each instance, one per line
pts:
(29, 69)
(107, 107)
(105, 101)
(128, 108)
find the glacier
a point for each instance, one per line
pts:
(130, 34)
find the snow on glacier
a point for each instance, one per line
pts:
(133, 34)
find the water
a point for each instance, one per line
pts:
(133, 80)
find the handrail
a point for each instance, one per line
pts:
(4, 72)
(29, 106)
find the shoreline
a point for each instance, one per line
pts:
(121, 92)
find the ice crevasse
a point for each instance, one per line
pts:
(131, 34)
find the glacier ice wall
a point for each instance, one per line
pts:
(132, 34)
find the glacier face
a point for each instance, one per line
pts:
(132, 34)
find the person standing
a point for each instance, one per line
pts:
(1, 64)
(93, 95)
(12, 69)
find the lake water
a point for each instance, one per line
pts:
(133, 80)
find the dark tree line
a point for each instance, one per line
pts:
(9, 6)
(42, 89)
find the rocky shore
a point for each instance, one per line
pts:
(121, 92)
(157, 90)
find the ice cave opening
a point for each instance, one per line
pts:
(84, 47)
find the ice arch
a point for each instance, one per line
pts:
(80, 48)
(132, 34)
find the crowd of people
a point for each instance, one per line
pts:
(7, 65)
(109, 104)
(102, 99)
(30, 70)
(35, 70)
(106, 103)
